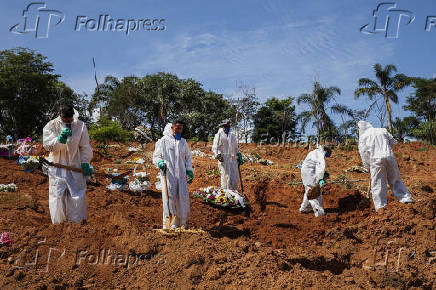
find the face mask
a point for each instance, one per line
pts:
(227, 130)
(178, 136)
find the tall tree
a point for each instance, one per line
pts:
(118, 100)
(275, 120)
(318, 102)
(30, 92)
(404, 127)
(204, 117)
(156, 99)
(423, 104)
(161, 99)
(246, 107)
(386, 87)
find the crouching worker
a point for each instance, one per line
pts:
(67, 140)
(312, 174)
(174, 159)
(375, 148)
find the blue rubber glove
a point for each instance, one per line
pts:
(190, 175)
(87, 169)
(161, 164)
(63, 136)
(240, 159)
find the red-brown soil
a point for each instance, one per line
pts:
(273, 246)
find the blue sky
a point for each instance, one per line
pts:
(277, 46)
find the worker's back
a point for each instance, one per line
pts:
(312, 159)
(377, 143)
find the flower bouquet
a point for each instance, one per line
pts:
(158, 183)
(7, 150)
(221, 197)
(256, 158)
(4, 148)
(117, 183)
(8, 187)
(140, 183)
(29, 163)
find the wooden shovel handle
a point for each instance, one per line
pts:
(79, 170)
(240, 179)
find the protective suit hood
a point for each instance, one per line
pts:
(75, 117)
(168, 131)
(320, 147)
(363, 126)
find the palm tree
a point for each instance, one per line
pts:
(317, 101)
(386, 87)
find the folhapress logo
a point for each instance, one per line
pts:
(38, 20)
(388, 20)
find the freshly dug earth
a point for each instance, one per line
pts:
(272, 246)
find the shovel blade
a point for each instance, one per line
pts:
(170, 221)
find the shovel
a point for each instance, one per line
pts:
(75, 169)
(368, 193)
(240, 179)
(171, 219)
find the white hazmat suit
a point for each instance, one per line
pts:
(312, 170)
(67, 189)
(227, 146)
(178, 159)
(377, 156)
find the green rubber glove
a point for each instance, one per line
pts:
(87, 169)
(63, 136)
(321, 182)
(161, 164)
(190, 175)
(240, 159)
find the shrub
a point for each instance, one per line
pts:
(107, 130)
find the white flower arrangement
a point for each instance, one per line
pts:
(142, 176)
(256, 158)
(8, 187)
(221, 197)
(198, 153)
(140, 183)
(135, 161)
(29, 163)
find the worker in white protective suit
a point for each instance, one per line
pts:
(375, 148)
(225, 149)
(67, 140)
(172, 154)
(312, 173)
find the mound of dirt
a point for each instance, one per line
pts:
(272, 246)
